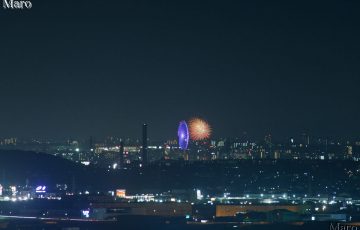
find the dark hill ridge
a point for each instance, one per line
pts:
(17, 166)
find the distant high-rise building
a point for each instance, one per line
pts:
(305, 139)
(349, 151)
(166, 152)
(262, 153)
(121, 155)
(91, 143)
(186, 155)
(144, 144)
(269, 144)
(276, 155)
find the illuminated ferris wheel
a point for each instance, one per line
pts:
(183, 135)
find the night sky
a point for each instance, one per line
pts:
(80, 68)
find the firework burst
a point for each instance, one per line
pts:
(199, 129)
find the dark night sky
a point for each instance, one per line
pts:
(81, 68)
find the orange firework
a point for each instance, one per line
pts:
(199, 129)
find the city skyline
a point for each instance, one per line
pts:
(177, 115)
